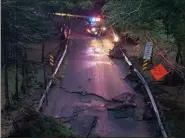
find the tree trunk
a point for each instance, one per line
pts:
(43, 62)
(26, 69)
(181, 59)
(179, 56)
(16, 61)
(16, 75)
(6, 77)
(23, 86)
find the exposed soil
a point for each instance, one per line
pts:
(170, 99)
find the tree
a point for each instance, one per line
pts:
(146, 13)
(25, 23)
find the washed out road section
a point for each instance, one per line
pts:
(91, 71)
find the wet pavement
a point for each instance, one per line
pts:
(91, 82)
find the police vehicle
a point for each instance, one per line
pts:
(95, 26)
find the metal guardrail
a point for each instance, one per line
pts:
(129, 63)
(55, 72)
(150, 96)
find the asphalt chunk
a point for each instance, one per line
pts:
(124, 97)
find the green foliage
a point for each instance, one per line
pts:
(85, 4)
(35, 77)
(61, 5)
(33, 125)
(22, 24)
(175, 121)
(48, 127)
(62, 69)
(26, 23)
(11, 83)
(34, 81)
(161, 16)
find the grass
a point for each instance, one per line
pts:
(61, 72)
(48, 127)
(175, 123)
(32, 125)
(173, 107)
(34, 82)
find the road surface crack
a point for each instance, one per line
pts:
(112, 104)
(92, 95)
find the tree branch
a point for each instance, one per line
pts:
(128, 14)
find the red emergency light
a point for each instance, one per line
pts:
(95, 19)
(98, 19)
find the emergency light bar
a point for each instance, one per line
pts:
(93, 19)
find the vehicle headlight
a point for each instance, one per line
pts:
(97, 50)
(116, 38)
(103, 28)
(93, 29)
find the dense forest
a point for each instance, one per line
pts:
(25, 23)
(30, 22)
(165, 20)
(158, 15)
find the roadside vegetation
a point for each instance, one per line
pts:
(29, 123)
(26, 24)
(164, 21)
(163, 18)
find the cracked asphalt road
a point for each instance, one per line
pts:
(90, 70)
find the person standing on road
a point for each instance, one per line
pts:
(62, 30)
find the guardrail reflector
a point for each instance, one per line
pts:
(145, 64)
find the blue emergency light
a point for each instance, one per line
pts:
(92, 19)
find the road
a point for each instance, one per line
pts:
(91, 71)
